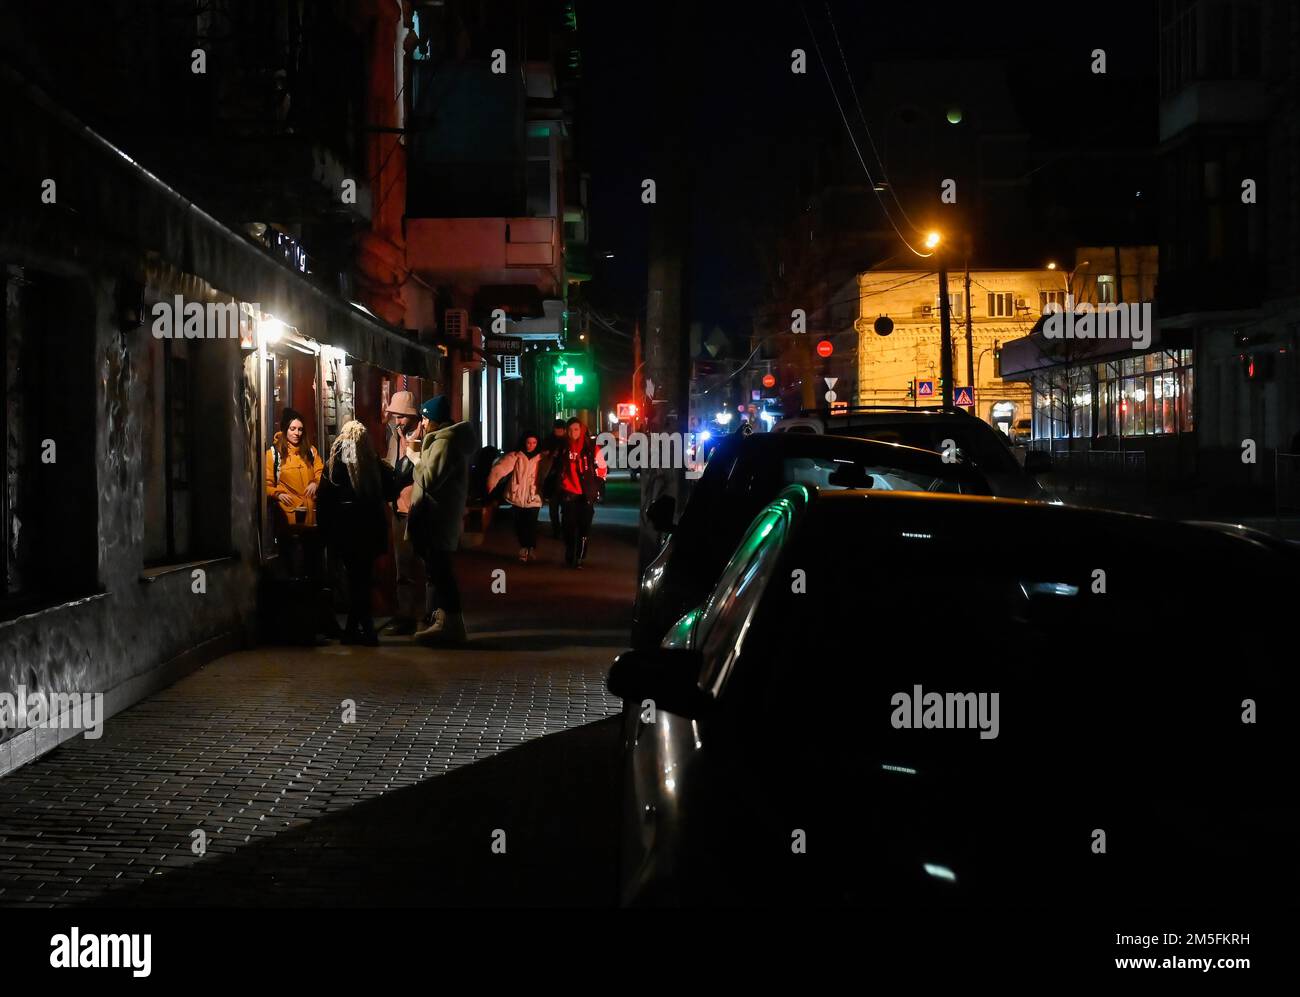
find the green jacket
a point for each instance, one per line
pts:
(441, 483)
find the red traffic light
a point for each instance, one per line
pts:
(824, 348)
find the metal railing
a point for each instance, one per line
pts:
(1102, 475)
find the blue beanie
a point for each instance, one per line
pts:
(436, 409)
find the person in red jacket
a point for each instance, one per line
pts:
(575, 478)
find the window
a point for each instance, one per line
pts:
(49, 501)
(188, 399)
(1002, 304)
(1051, 298)
(1106, 289)
(727, 616)
(167, 453)
(955, 299)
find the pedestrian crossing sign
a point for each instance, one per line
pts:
(924, 389)
(964, 397)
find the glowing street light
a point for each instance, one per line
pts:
(932, 240)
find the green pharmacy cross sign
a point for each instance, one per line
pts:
(569, 379)
(576, 385)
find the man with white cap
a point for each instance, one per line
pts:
(403, 451)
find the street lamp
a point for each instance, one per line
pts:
(932, 240)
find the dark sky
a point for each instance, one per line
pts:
(750, 120)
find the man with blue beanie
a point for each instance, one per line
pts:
(437, 514)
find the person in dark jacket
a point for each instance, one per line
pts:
(575, 476)
(354, 489)
(552, 449)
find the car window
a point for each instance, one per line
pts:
(836, 474)
(728, 612)
(976, 440)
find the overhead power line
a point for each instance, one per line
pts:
(853, 140)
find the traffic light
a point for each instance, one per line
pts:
(911, 389)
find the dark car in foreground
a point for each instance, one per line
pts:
(743, 474)
(931, 429)
(788, 746)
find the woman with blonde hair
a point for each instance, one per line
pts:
(354, 489)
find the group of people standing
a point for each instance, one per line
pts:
(425, 478)
(567, 472)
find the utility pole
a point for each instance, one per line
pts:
(637, 396)
(970, 343)
(945, 330)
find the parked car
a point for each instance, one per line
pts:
(929, 429)
(766, 762)
(746, 472)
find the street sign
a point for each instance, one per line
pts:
(625, 411)
(769, 381)
(963, 397)
(924, 389)
(839, 408)
(824, 348)
(830, 381)
(831, 396)
(510, 346)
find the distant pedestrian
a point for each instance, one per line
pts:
(354, 489)
(520, 467)
(403, 448)
(575, 476)
(555, 446)
(437, 516)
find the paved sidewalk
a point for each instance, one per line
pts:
(252, 750)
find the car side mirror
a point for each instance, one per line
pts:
(660, 513)
(1038, 462)
(668, 676)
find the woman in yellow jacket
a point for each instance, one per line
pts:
(293, 469)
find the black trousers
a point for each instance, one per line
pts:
(440, 588)
(575, 519)
(360, 568)
(554, 508)
(526, 526)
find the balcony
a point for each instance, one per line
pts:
(486, 251)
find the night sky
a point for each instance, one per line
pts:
(751, 120)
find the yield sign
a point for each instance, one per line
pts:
(830, 381)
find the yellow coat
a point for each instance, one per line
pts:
(295, 475)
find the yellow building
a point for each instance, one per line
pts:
(1004, 305)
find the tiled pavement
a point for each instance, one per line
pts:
(252, 750)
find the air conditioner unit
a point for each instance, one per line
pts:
(927, 309)
(510, 368)
(455, 324)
